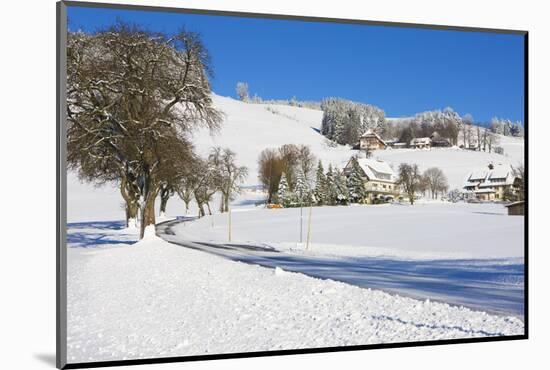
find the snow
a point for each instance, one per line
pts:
(156, 299)
(149, 233)
(456, 164)
(434, 230)
(373, 168)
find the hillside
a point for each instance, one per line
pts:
(250, 128)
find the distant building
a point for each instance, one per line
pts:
(395, 144)
(380, 179)
(491, 183)
(370, 140)
(439, 141)
(398, 145)
(421, 143)
(516, 208)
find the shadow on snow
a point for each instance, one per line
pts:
(98, 234)
(493, 285)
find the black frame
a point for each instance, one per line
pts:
(61, 186)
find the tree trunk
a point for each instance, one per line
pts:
(222, 204)
(201, 210)
(164, 197)
(186, 201)
(149, 192)
(131, 202)
(147, 213)
(227, 204)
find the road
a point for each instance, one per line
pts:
(491, 285)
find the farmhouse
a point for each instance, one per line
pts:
(439, 141)
(493, 183)
(380, 180)
(421, 143)
(370, 140)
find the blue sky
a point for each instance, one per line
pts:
(401, 70)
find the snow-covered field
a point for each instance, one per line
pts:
(424, 231)
(155, 299)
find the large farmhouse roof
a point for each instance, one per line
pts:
(376, 169)
(371, 133)
(500, 175)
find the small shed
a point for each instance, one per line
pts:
(516, 208)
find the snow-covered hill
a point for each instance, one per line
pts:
(250, 128)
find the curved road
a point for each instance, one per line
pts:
(491, 285)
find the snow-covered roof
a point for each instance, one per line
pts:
(500, 175)
(477, 175)
(500, 172)
(371, 133)
(421, 140)
(376, 169)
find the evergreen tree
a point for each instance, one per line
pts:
(331, 190)
(356, 183)
(320, 185)
(341, 187)
(301, 190)
(282, 193)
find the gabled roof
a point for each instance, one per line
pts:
(478, 175)
(500, 172)
(370, 133)
(421, 140)
(376, 169)
(500, 175)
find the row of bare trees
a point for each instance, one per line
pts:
(475, 137)
(133, 98)
(218, 173)
(433, 180)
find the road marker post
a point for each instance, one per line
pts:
(309, 228)
(229, 224)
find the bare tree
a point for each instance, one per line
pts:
(270, 169)
(128, 90)
(436, 181)
(206, 184)
(242, 91)
(492, 141)
(409, 177)
(467, 122)
(230, 174)
(478, 138)
(306, 163)
(289, 154)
